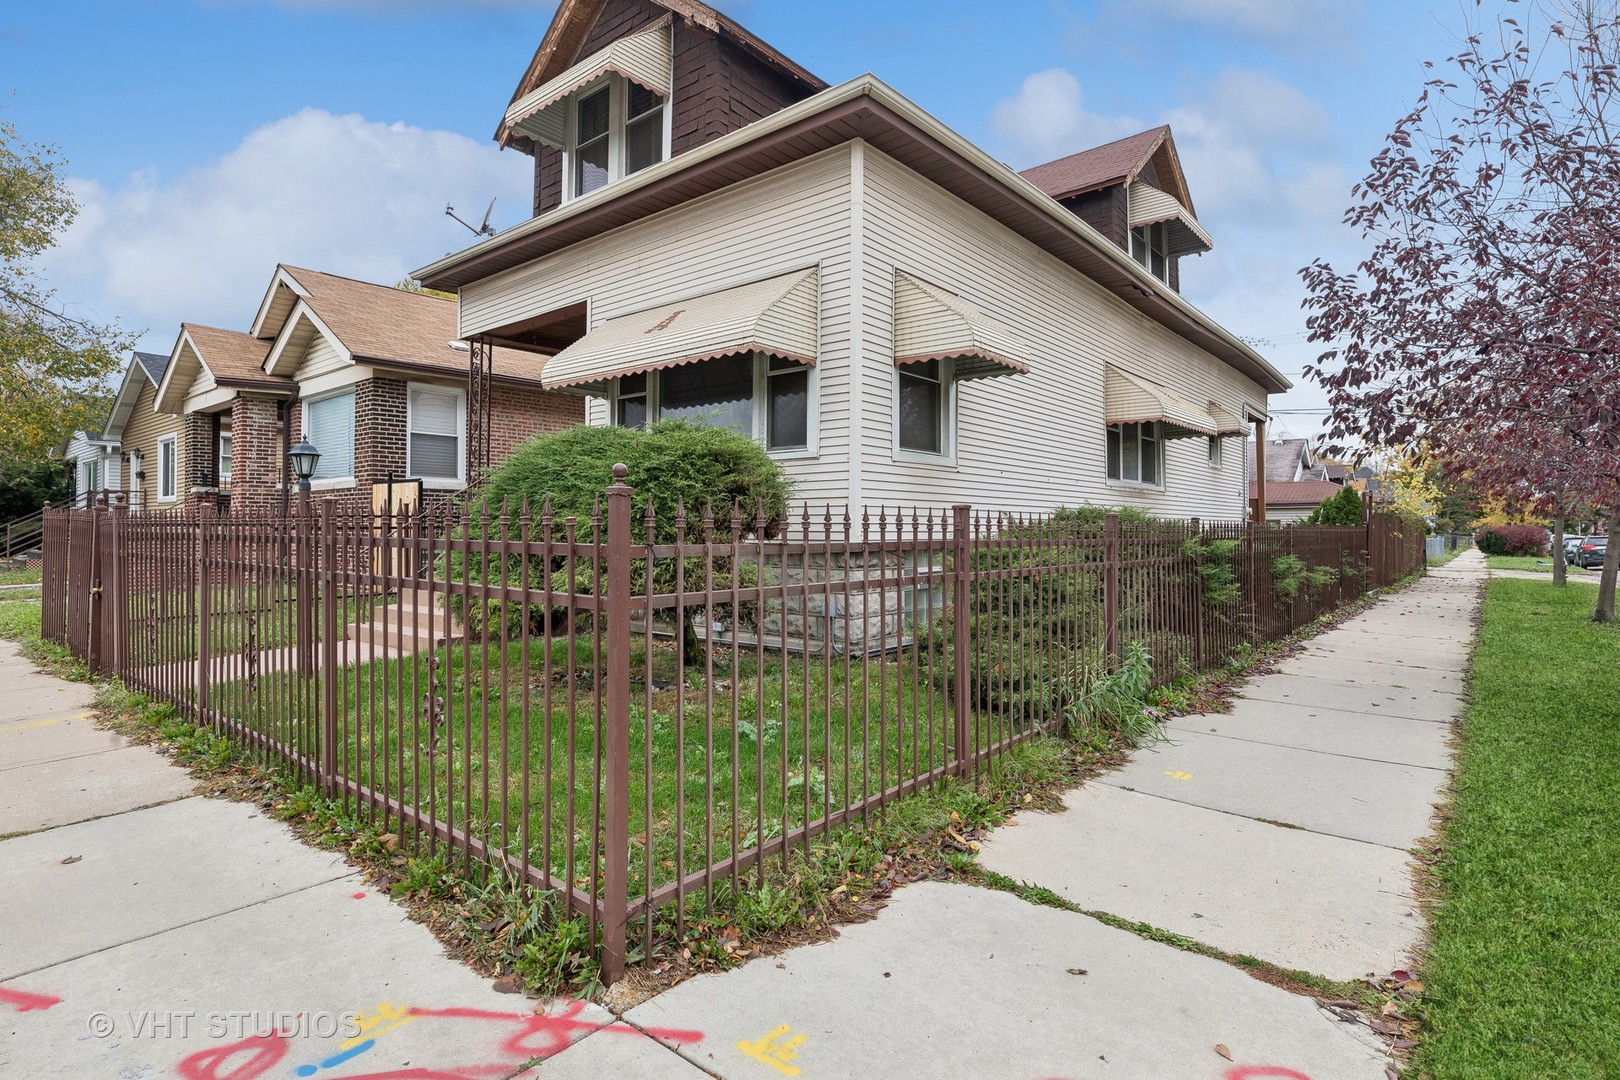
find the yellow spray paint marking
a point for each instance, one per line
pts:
(43, 723)
(387, 1017)
(776, 1049)
(1178, 775)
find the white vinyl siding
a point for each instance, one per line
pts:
(793, 218)
(329, 427)
(1036, 441)
(436, 422)
(168, 469)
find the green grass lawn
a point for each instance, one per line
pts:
(19, 577)
(1522, 979)
(1539, 563)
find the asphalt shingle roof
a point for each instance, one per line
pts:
(1101, 166)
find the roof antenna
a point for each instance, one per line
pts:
(484, 227)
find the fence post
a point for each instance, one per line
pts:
(114, 558)
(205, 607)
(616, 816)
(1197, 604)
(1111, 587)
(326, 581)
(961, 533)
(92, 650)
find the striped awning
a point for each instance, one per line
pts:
(1149, 206)
(645, 58)
(1229, 422)
(1135, 400)
(932, 324)
(778, 316)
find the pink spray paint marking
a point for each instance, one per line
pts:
(23, 1001)
(542, 1035)
(1257, 1072)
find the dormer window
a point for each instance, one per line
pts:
(617, 130)
(1150, 246)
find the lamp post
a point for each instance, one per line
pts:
(304, 458)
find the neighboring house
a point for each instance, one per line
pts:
(228, 410)
(1287, 460)
(142, 433)
(90, 461)
(1293, 500)
(898, 317)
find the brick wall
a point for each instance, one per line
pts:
(379, 431)
(196, 459)
(718, 88)
(519, 413)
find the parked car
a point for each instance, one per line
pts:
(1572, 544)
(1592, 552)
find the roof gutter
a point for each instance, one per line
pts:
(874, 89)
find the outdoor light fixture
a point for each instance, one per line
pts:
(304, 458)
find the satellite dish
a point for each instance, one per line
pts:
(484, 228)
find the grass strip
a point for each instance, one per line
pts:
(1524, 964)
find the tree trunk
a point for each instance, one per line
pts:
(1559, 577)
(1611, 564)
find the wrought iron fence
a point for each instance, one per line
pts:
(633, 712)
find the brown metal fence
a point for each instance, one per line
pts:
(634, 712)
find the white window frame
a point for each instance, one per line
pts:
(171, 444)
(438, 483)
(618, 120)
(947, 409)
(1142, 248)
(1158, 442)
(760, 417)
(222, 474)
(335, 483)
(1215, 451)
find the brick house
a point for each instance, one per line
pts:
(374, 376)
(894, 314)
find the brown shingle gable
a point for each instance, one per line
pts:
(233, 357)
(1120, 162)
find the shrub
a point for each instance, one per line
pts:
(673, 465)
(1512, 540)
(1291, 575)
(1216, 561)
(1343, 508)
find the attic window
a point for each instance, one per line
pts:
(1150, 246)
(616, 130)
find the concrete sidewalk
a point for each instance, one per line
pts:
(146, 932)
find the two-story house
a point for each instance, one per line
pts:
(895, 315)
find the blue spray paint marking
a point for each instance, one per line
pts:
(336, 1059)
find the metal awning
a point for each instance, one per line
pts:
(1149, 206)
(932, 324)
(778, 316)
(1229, 422)
(645, 58)
(1135, 400)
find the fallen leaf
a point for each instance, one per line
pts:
(1401, 975)
(508, 984)
(390, 841)
(955, 816)
(1076, 971)
(1028, 798)
(71, 859)
(1220, 1048)
(1414, 986)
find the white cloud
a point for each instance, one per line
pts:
(1048, 119)
(1299, 19)
(335, 193)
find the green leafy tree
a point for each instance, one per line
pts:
(54, 365)
(1341, 509)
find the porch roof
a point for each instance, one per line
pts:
(778, 316)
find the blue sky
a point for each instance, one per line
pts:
(207, 140)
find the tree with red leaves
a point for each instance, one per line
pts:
(1491, 291)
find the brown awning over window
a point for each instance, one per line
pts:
(932, 324)
(778, 316)
(645, 58)
(1135, 400)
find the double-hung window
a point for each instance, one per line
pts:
(435, 422)
(329, 427)
(922, 408)
(764, 397)
(222, 463)
(617, 129)
(168, 469)
(1149, 246)
(1135, 454)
